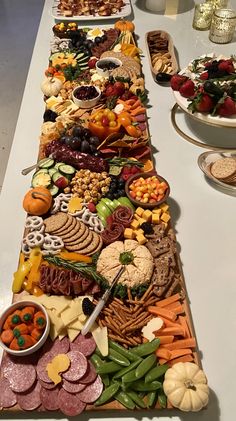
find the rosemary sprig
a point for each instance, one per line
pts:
(121, 162)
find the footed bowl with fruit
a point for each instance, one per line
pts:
(147, 190)
(86, 96)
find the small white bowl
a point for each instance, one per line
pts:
(104, 72)
(86, 103)
(19, 305)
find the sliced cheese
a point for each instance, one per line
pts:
(101, 338)
(76, 324)
(56, 321)
(72, 312)
(72, 333)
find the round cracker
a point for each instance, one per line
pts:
(80, 246)
(70, 225)
(223, 168)
(78, 237)
(55, 222)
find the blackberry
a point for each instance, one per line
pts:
(87, 307)
(147, 228)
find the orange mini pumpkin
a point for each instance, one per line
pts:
(124, 25)
(37, 201)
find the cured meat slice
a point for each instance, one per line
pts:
(30, 400)
(85, 344)
(70, 404)
(41, 367)
(74, 387)
(78, 366)
(123, 215)
(49, 399)
(58, 346)
(112, 233)
(47, 385)
(92, 392)
(21, 376)
(7, 396)
(90, 374)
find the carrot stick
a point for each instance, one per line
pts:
(168, 314)
(163, 353)
(172, 306)
(136, 104)
(182, 343)
(184, 324)
(169, 300)
(168, 323)
(183, 359)
(180, 352)
(164, 339)
(162, 361)
(139, 110)
(173, 331)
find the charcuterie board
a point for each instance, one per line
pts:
(97, 208)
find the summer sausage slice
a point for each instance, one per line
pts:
(78, 366)
(92, 392)
(47, 385)
(85, 344)
(21, 376)
(90, 374)
(58, 346)
(7, 396)
(41, 367)
(49, 398)
(30, 400)
(74, 387)
(70, 404)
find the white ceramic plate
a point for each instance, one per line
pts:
(125, 11)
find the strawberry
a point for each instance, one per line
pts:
(227, 108)
(187, 89)
(177, 81)
(227, 66)
(204, 104)
(92, 207)
(204, 76)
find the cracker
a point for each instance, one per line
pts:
(69, 225)
(159, 65)
(94, 243)
(55, 222)
(223, 168)
(80, 246)
(98, 248)
(72, 232)
(78, 237)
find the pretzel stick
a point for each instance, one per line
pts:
(147, 292)
(135, 302)
(137, 320)
(119, 339)
(138, 326)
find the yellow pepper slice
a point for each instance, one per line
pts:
(19, 276)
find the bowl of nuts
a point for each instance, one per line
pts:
(86, 96)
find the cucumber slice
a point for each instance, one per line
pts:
(56, 176)
(42, 171)
(52, 171)
(53, 189)
(57, 165)
(66, 169)
(46, 163)
(79, 56)
(41, 179)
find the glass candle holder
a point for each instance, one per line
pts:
(218, 4)
(202, 16)
(222, 26)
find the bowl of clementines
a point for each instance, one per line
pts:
(147, 190)
(24, 328)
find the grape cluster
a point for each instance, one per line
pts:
(85, 93)
(116, 188)
(80, 42)
(82, 140)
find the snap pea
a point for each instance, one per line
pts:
(118, 358)
(107, 394)
(136, 398)
(145, 366)
(141, 386)
(96, 361)
(125, 352)
(125, 400)
(105, 379)
(109, 367)
(147, 348)
(129, 377)
(155, 373)
(151, 398)
(162, 399)
(126, 370)
(98, 352)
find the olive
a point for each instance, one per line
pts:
(97, 40)
(104, 38)
(163, 77)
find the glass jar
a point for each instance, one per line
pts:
(202, 16)
(222, 26)
(218, 4)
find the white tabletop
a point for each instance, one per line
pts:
(204, 218)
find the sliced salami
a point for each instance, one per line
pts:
(78, 366)
(90, 374)
(74, 387)
(47, 385)
(7, 396)
(49, 398)
(21, 376)
(58, 346)
(70, 404)
(41, 367)
(85, 344)
(92, 392)
(30, 400)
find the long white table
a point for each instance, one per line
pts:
(204, 218)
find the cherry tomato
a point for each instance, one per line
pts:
(105, 121)
(133, 131)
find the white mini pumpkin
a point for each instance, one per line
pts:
(51, 86)
(185, 386)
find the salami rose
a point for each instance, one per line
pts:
(123, 215)
(112, 233)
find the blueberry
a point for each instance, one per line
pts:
(121, 183)
(86, 134)
(77, 131)
(74, 143)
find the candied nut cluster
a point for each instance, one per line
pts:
(90, 186)
(90, 7)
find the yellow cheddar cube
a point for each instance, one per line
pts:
(155, 218)
(141, 221)
(157, 211)
(129, 233)
(139, 211)
(147, 215)
(164, 207)
(141, 239)
(134, 224)
(165, 217)
(139, 232)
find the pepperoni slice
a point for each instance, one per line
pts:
(74, 387)
(70, 404)
(21, 376)
(58, 346)
(30, 400)
(78, 366)
(90, 374)
(92, 392)
(41, 367)
(49, 399)
(85, 344)
(7, 396)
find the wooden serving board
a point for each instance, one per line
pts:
(173, 60)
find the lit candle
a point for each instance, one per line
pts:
(202, 16)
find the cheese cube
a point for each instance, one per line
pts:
(141, 221)
(147, 215)
(164, 207)
(139, 211)
(134, 224)
(165, 217)
(139, 232)
(155, 218)
(157, 211)
(141, 239)
(128, 233)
